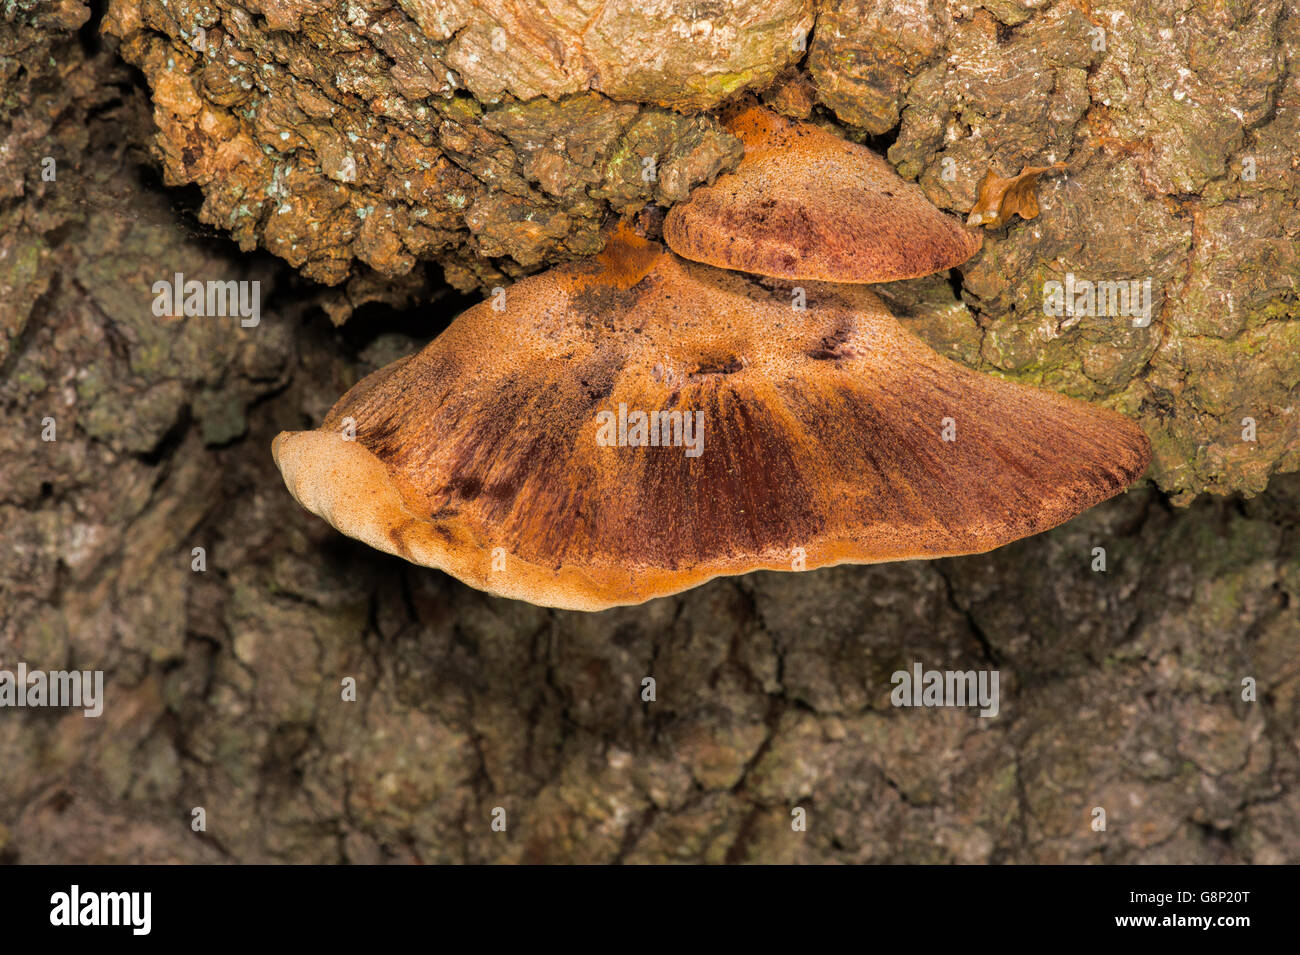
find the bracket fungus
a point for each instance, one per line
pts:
(544, 453)
(805, 204)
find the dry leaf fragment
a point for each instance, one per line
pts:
(1001, 197)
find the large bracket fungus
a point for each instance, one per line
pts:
(635, 424)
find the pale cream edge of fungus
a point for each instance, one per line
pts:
(351, 488)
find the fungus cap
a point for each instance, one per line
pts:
(821, 437)
(806, 205)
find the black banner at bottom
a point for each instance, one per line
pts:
(334, 905)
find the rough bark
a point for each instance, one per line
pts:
(1120, 690)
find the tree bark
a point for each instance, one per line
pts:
(1121, 689)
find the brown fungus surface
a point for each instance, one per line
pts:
(820, 437)
(805, 204)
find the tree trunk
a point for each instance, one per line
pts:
(379, 171)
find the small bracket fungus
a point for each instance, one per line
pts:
(804, 204)
(817, 437)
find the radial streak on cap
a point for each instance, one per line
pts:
(821, 437)
(806, 205)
